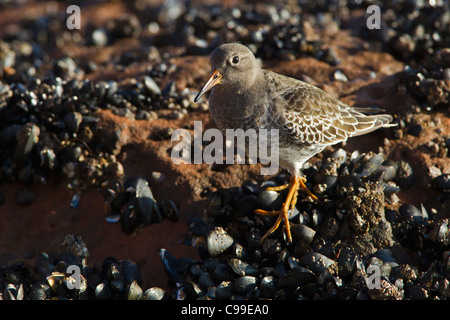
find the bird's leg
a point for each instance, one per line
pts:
(291, 200)
(302, 185)
(283, 212)
(294, 200)
(278, 188)
(305, 188)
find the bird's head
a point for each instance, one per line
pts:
(234, 66)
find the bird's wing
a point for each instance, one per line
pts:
(310, 115)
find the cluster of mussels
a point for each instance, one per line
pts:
(269, 30)
(411, 30)
(428, 84)
(48, 109)
(358, 225)
(133, 204)
(417, 33)
(48, 124)
(51, 126)
(67, 275)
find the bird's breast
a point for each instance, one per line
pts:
(233, 110)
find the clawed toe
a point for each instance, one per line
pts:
(291, 200)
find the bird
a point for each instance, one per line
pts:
(244, 95)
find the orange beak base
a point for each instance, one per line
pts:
(216, 78)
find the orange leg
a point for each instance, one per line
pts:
(291, 199)
(305, 188)
(278, 188)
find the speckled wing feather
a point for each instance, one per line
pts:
(310, 115)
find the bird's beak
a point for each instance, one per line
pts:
(216, 78)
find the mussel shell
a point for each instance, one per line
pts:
(389, 188)
(113, 218)
(350, 181)
(339, 156)
(302, 232)
(347, 261)
(117, 286)
(329, 182)
(295, 277)
(250, 187)
(269, 200)
(386, 256)
(218, 241)
(110, 269)
(242, 268)
(130, 219)
(199, 227)
(134, 291)
(13, 292)
(102, 292)
(169, 210)
(44, 265)
(371, 165)
(27, 138)
(410, 211)
(224, 290)
(271, 246)
(170, 265)
(40, 291)
(440, 232)
(241, 252)
(55, 281)
(244, 284)
(154, 293)
(73, 121)
(442, 183)
(130, 271)
(417, 292)
(268, 286)
(151, 86)
(318, 262)
(120, 200)
(222, 272)
(145, 199)
(74, 244)
(206, 281)
(389, 170)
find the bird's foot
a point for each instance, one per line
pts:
(278, 188)
(305, 188)
(291, 200)
(302, 185)
(282, 214)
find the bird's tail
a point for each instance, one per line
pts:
(369, 123)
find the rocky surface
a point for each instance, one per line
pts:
(355, 69)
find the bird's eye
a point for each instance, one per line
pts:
(235, 60)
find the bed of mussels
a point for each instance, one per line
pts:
(48, 126)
